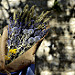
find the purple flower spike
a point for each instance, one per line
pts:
(44, 26)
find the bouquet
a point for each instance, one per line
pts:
(25, 31)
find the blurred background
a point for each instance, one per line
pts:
(56, 54)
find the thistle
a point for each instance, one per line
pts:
(26, 29)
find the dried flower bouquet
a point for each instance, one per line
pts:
(26, 30)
